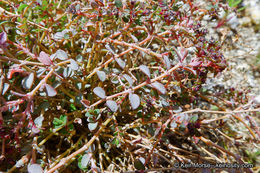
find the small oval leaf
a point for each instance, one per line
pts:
(5, 88)
(134, 100)
(110, 49)
(114, 80)
(58, 36)
(61, 54)
(92, 126)
(173, 124)
(101, 75)
(35, 168)
(68, 72)
(86, 103)
(100, 92)
(120, 62)
(160, 87)
(73, 64)
(28, 81)
(139, 165)
(85, 160)
(129, 79)
(50, 90)
(134, 38)
(22, 7)
(167, 62)
(112, 105)
(38, 121)
(44, 58)
(145, 70)
(40, 72)
(256, 100)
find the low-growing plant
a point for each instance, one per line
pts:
(113, 86)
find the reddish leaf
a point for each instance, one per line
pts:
(134, 100)
(44, 58)
(27, 82)
(159, 87)
(50, 90)
(12, 71)
(145, 70)
(190, 70)
(184, 53)
(195, 63)
(86, 103)
(112, 105)
(3, 38)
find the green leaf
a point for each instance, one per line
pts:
(233, 3)
(3, 22)
(80, 164)
(138, 164)
(118, 3)
(116, 142)
(87, 114)
(138, 21)
(194, 118)
(97, 111)
(21, 7)
(214, 108)
(63, 118)
(70, 127)
(73, 107)
(44, 105)
(125, 19)
(241, 9)
(44, 4)
(59, 122)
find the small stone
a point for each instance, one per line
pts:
(233, 21)
(245, 21)
(255, 14)
(257, 100)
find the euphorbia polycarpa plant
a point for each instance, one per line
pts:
(94, 62)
